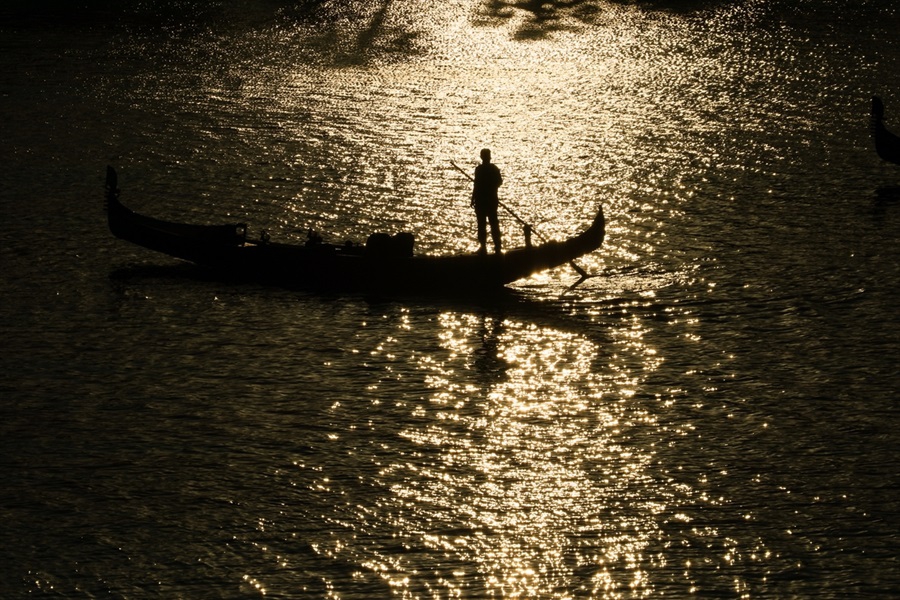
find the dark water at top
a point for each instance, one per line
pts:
(715, 416)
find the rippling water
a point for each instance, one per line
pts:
(715, 415)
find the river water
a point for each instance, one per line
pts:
(715, 415)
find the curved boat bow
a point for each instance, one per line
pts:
(887, 144)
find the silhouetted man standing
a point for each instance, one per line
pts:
(485, 200)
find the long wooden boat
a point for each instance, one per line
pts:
(383, 264)
(887, 144)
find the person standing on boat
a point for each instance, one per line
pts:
(485, 201)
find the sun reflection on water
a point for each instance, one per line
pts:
(533, 461)
(531, 484)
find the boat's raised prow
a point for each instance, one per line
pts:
(887, 144)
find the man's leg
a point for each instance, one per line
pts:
(495, 231)
(482, 230)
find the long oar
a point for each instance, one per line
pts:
(581, 272)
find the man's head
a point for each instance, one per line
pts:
(486, 155)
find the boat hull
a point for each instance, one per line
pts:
(225, 250)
